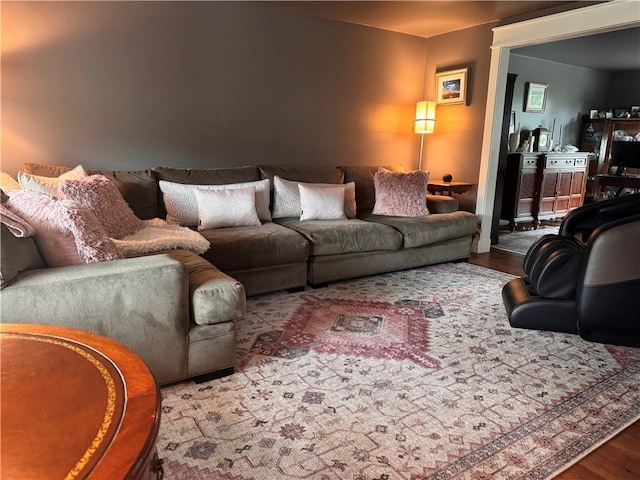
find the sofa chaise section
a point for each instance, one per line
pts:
(175, 310)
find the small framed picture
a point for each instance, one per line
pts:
(451, 87)
(635, 111)
(621, 113)
(593, 114)
(535, 98)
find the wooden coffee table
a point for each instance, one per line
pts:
(75, 405)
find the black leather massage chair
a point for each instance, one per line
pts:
(586, 279)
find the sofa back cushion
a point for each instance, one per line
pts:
(139, 188)
(303, 174)
(17, 255)
(363, 178)
(208, 176)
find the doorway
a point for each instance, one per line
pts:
(600, 18)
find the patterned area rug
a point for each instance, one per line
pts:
(520, 241)
(410, 375)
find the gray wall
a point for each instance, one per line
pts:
(624, 90)
(127, 85)
(573, 91)
(456, 144)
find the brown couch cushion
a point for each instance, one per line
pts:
(240, 248)
(331, 237)
(208, 176)
(421, 231)
(363, 177)
(303, 174)
(18, 254)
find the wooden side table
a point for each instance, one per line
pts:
(447, 188)
(75, 405)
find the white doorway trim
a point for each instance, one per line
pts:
(600, 18)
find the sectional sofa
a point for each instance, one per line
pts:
(177, 309)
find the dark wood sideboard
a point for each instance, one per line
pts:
(542, 186)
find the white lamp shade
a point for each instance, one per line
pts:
(425, 121)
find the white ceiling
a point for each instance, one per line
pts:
(615, 51)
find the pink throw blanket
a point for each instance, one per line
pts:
(14, 223)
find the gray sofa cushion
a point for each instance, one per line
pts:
(363, 176)
(331, 237)
(303, 174)
(18, 254)
(421, 231)
(208, 176)
(239, 248)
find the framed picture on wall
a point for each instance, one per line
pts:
(535, 98)
(451, 87)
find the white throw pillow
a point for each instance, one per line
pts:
(286, 197)
(227, 208)
(49, 185)
(321, 203)
(182, 207)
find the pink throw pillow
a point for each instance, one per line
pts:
(101, 195)
(401, 194)
(65, 232)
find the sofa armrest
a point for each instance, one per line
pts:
(441, 204)
(142, 303)
(215, 296)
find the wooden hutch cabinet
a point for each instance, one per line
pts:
(596, 136)
(543, 186)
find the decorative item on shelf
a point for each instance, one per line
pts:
(514, 140)
(621, 113)
(535, 100)
(447, 177)
(451, 87)
(425, 122)
(542, 139)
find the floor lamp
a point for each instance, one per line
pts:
(425, 122)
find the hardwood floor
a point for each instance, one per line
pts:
(617, 459)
